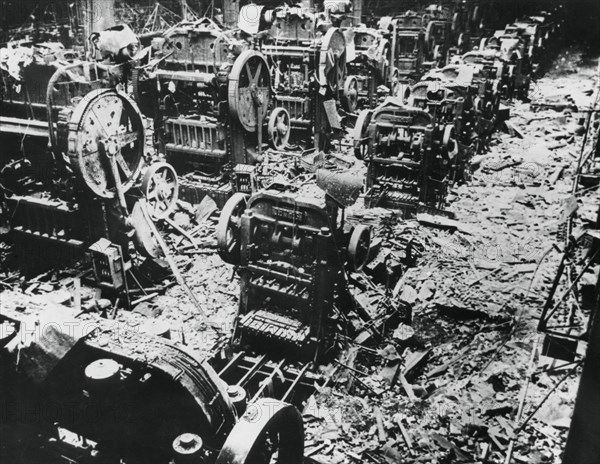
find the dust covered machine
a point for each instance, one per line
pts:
(452, 96)
(511, 48)
(410, 158)
(82, 394)
(212, 107)
(406, 35)
(74, 146)
(307, 58)
(369, 70)
(292, 253)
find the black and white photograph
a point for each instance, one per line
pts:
(299, 232)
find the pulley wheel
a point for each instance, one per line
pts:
(360, 132)
(279, 128)
(160, 187)
(350, 94)
(249, 89)
(455, 22)
(383, 52)
(358, 247)
(228, 230)
(449, 141)
(106, 123)
(332, 59)
(437, 53)
(269, 432)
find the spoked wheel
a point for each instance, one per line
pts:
(269, 432)
(279, 128)
(250, 89)
(350, 94)
(361, 147)
(358, 247)
(160, 187)
(229, 228)
(106, 123)
(383, 52)
(332, 60)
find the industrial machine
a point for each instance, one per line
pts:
(511, 47)
(74, 164)
(466, 94)
(438, 36)
(450, 101)
(367, 53)
(308, 60)
(369, 69)
(292, 253)
(213, 107)
(406, 35)
(410, 159)
(100, 402)
(73, 147)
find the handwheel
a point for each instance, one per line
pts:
(279, 128)
(160, 187)
(350, 94)
(269, 432)
(250, 89)
(360, 133)
(358, 247)
(229, 228)
(106, 123)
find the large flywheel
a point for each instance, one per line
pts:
(332, 60)
(250, 89)
(106, 130)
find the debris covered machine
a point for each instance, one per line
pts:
(410, 159)
(307, 58)
(293, 253)
(209, 92)
(84, 393)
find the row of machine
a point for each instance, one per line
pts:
(100, 146)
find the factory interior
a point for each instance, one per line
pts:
(299, 232)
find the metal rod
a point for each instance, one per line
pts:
(296, 381)
(253, 370)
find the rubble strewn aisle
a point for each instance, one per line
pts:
(478, 293)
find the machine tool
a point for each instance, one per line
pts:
(212, 109)
(293, 253)
(410, 158)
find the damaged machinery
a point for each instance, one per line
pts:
(293, 254)
(100, 402)
(307, 57)
(74, 164)
(410, 159)
(212, 109)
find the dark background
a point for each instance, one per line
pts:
(582, 16)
